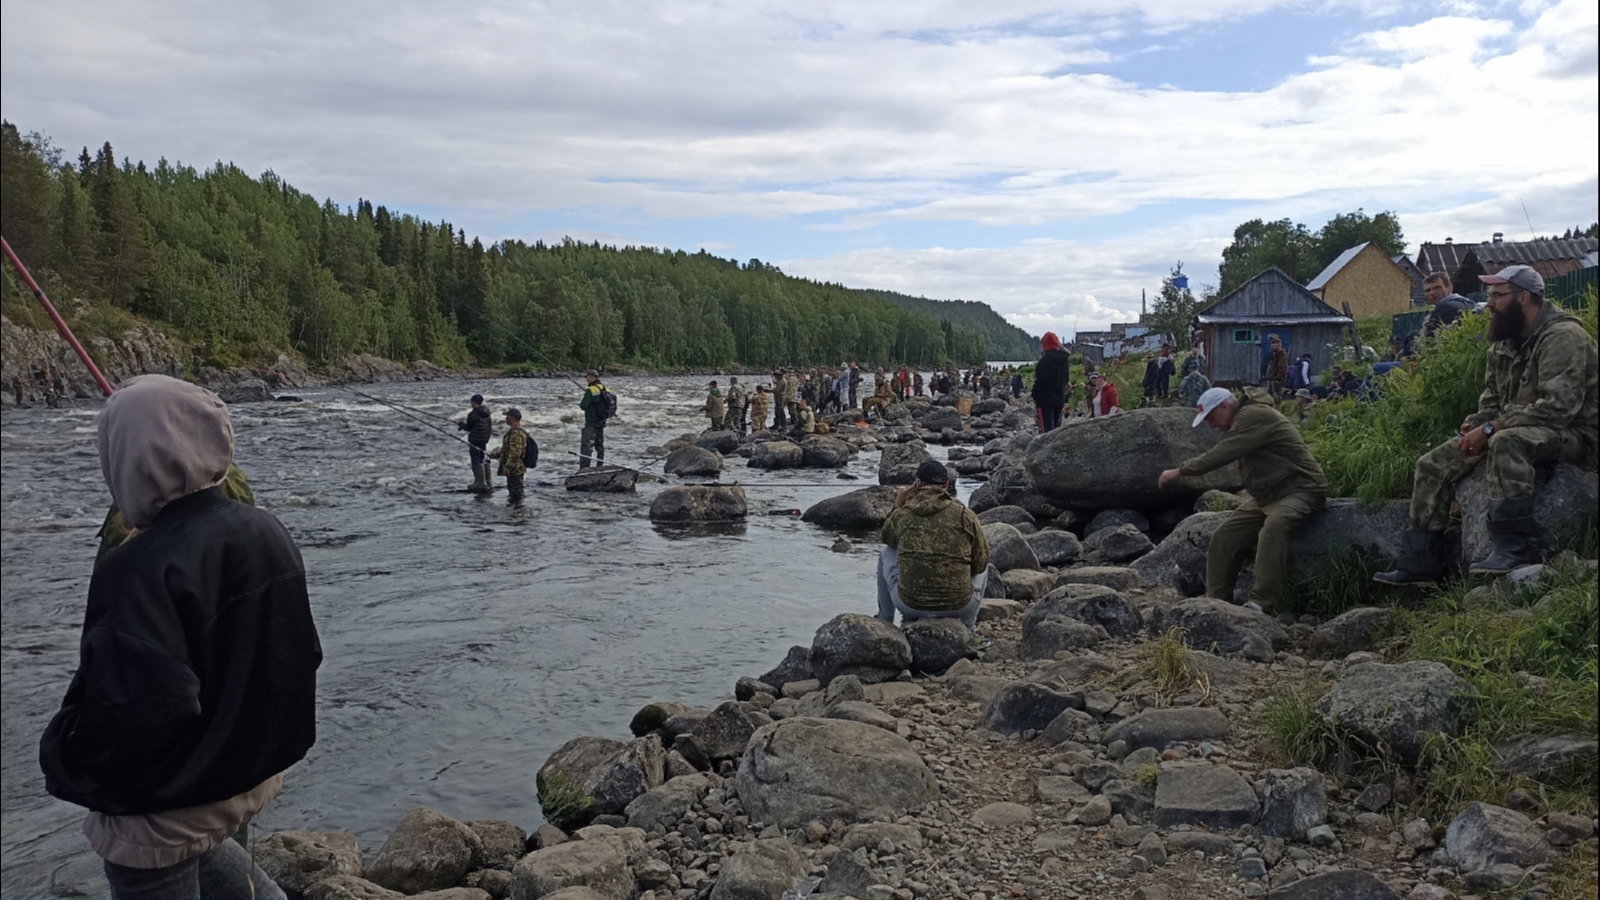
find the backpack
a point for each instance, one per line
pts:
(608, 404)
(530, 453)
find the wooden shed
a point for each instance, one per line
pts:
(1367, 279)
(1236, 329)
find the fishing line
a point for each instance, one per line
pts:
(403, 411)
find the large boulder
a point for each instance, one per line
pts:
(1111, 518)
(1015, 516)
(1180, 559)
(1344, 525)
(777, 455)
(1351, 630)
(1567, 495)
(603, 480)
(796, 666)
(1548, 755)
(721, 735)
(599, 864)
(1209, 795)
(937, 644)
(349, 887)
(693, 462)
(1091, 604)
(1292, 802)
(941, 417)
(762, 870)
(1400, 705)
(1111, 463)
(1119, 544)
(591, 776)
(1210, 624)
(1008, 549)
(250, 390)
(1027, 706)
(864, 508)
(1054, 547)
(427, 851)
(864, 646)
(503, 842)
(296, 860)
(899, 462)
(664, 805)
(720, 442)
(823, 452)
(1484, 835)
(699, 503)
(802, 769)
(1160, 728)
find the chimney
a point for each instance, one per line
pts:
(1447, 240)
(1498, 237)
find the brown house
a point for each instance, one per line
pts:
(1365, 278)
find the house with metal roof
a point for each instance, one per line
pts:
(1549, 258)
(1237, 329)
(1364, 280)
(1418, 297)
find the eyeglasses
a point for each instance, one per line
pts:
(1499, 295)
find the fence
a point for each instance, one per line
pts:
(1572, 289)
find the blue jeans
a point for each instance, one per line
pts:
(889, 595)
(225, 872)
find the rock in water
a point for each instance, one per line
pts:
(823, 452)
(428, 851)
(693, 462)
(899, 462)
(803, 769)
(1180, 559)
(936, 644)
(591, 776)
(1400, 705)
(866, 647)
(865, 508)
(796, 666)
(1208, 623)
(603, 480)
(699, 503)
(762, 870)
(296, 860)
(251, 390)
(777, 455)
(1484, 835)
(720, 442)
(1114, 463)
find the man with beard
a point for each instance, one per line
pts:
(1538, 405)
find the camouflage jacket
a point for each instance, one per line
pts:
(1548, 380)
(941, 547)
(115, 530)
(513, 447)
(736, 396)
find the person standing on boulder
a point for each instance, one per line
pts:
(197, 675)
(1538, 405)
(758, 408)
(1050, 378)
(716, 407)
(1284, 482)
(592, 440)
(934, 557)
(479, 427)
(736, 404)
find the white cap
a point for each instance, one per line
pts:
(1210, 400)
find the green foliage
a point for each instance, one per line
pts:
(1299, 735)
(979, 334)
(1295, 249)
(1340, 580)
(1174, 309)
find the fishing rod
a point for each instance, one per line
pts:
(537, 352)
(61, 325)
(402, 411)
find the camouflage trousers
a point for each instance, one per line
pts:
(1511, 459)
(734, 420)
(873, 403)
(1262, 531)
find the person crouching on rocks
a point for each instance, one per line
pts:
(934, 558)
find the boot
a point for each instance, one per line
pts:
(1421, 562)
(1514, 534)
(480, 479)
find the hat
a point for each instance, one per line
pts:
(1523, 278)
(591, 374)
(1303, 394)
(476, 398)
(933, 472)
(1210, 400)
(514, 413)
(1274, 339)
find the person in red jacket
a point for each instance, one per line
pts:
(1103, 400)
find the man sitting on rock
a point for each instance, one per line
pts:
(1284, 481)
(1538, 405)
(934, 557)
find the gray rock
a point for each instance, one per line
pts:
(1160, 728)
(722, 735)
(1400, 705)
(1026, 705)
(899, 462)
(1204, 841)
(1090, 604)
(601, 865)
(427, 851)
(747, 687)
(1119, 544)
(1547, 755)
(1210, 624)
(1218, 501)
(1054, 547)
(1130, 799)
(761, 870)
(591, 776)
(1345, 524)
(1346, 884)
(849, 876)
(655, 715)
(1484, 835)
(1567, 495)
(693, 462)
(1002, 814)
(866, 647)
(1292, 802)
(1028, 584)
(823, 452)
(1352, 630)
(663, 806)
(720, 442)
(602, 480)
(777, 455)
(1059, 789)
(1096, 813)
(941, 417)
(1212, 796)
(296, 860)
(982, 499)
(873, 834)
(994, 587)
(936, 644)
(801, 769)
(1115, 462)
(1111, 518)
(250, 390)
(1180, 559)
(1497, 877)
(503, 842)
(1050, 636)
(699, 503)
(796, 666)
(1071, 725)
(863, 712)
(976, 688)
(1009, 515)
(349, 887)
(1116, 578)
(1007, 548)
(861, 509)
(1073, 670)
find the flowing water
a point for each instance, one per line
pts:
(464, 639)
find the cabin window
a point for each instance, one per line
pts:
(1244, 335)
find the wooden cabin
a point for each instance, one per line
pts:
(1235, 331)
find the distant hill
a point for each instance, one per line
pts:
(1005, 340)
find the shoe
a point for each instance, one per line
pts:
(1421, 563)
(1514, 534)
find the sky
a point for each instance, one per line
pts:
(1050, 159)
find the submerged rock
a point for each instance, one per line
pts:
(699, 503)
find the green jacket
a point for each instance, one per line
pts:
(1273, 458)
(1549, 380)
(590, 404)
(941, 547)
(715, 407)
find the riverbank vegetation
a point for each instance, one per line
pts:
(242, 269)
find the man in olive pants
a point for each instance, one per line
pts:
(1284, 482)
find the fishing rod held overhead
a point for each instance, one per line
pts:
(61, 325)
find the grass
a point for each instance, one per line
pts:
(1172, 667)
(1340, 580)
(1299, 735)
(562, 801)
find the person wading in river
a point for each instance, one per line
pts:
(196, 682)
(479, 427)
(736, 405)
(934, 555)
(716, 406)
(592, 442)
(512, 455)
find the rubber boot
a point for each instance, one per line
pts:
(480, 479)
(1421, 560)
(1514, 534)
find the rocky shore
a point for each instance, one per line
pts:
(1106, 736)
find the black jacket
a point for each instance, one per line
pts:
(1050, 379)
(479, 426)
(1446, 312)
(197, 669)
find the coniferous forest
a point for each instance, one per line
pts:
(242, 269)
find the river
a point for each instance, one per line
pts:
(464, 639)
